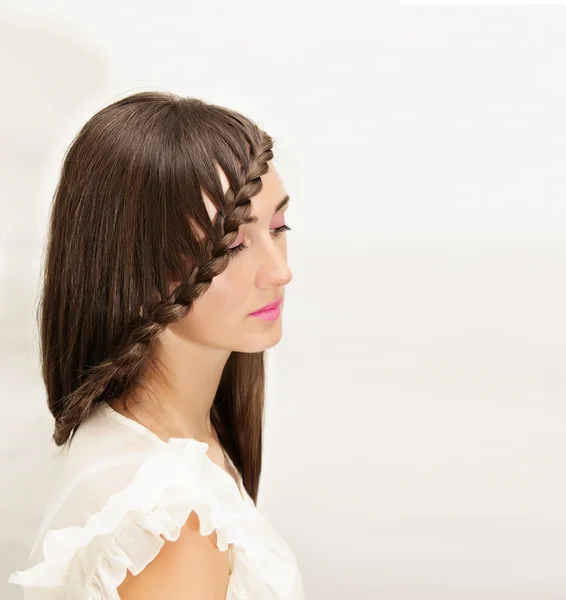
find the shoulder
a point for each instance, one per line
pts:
(166, 505)
(190, 567)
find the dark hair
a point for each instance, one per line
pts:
(124, 219)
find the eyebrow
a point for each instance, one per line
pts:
(281, 204)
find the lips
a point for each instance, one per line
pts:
(267, 307)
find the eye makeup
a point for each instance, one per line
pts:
(277, 231)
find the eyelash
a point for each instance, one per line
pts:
(242, 246)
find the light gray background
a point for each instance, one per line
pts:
(416, 417)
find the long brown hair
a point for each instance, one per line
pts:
(124, 219)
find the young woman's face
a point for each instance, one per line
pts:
(256, 276)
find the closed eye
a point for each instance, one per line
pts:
(280, 230)
(276, 232)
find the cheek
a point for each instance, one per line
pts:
(222, 299)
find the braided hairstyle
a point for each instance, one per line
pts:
(127, 215)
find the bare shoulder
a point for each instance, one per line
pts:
(190, 567)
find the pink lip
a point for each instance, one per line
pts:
(272, 307)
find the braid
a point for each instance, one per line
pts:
(125, 363)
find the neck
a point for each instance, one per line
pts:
(176, 399)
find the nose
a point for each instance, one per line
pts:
(273, 270)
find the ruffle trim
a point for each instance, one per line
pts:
(125, 535)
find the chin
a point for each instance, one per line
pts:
(261, 342)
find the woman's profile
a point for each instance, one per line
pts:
(163, 285)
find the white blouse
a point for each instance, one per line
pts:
(121, 488)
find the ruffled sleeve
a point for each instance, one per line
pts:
(89, 562)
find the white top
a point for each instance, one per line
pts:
(121, 488)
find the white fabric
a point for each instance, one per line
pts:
(121, 488)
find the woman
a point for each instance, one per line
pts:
(167, 236)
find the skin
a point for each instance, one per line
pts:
(193, 354)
